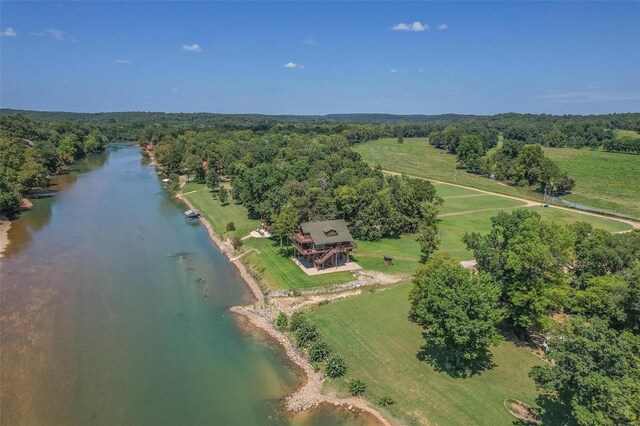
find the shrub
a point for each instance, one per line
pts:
(385, 401)
(357, 387)
(335, 366)
(231, 226)
(306, 334)
(236, 242)
(282, 321)
(319, 350)
(297, 321)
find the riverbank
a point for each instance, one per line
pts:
(261, 315)
(5, 225)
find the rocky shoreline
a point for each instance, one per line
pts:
(261, 315)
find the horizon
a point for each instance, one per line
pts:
(315, 58)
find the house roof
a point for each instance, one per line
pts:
(327, 231)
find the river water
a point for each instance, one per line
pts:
(114, 311)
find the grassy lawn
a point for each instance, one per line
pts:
(380, 347)
(416, 157)
(217, 214)
(605, 180)
(278, 270)
(405, 251)
(481, 202)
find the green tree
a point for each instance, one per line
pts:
(428, 237)
(319, 350)
(223, 196)
(595, 374)
(306, 334)
(335, 366)
(527, 257)
(286, 222)
(458, 311)
(357, 387)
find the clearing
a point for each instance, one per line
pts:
(381, 348)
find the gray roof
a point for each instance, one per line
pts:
(327, 231)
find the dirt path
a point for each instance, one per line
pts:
(633, 223)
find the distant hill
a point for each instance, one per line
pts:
(211, 118)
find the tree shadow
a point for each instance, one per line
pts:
(554, 412)
(436, 356)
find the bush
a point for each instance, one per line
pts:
(306, 334)
(319, 350)
(297, 321)
(231, 226)
(335, 366)
(282, 321)
(236, 242)
(385, 401)
(357, 387)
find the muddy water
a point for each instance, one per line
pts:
(113, 311)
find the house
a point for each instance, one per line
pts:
(325, 243)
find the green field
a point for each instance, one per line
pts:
(217, 214)
(278, 271)
(380, 347)
(604, 180)
(619, 133)
(475, 203)
(416, 157)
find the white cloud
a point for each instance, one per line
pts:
(421, 70)
(9, 32)
(309, 41)
(195, 47)
(393, 71)
(293, 65)
(52, 32)
(590, 95)
(443, 26)
(122, 61)
(416, 26)
(174, 89)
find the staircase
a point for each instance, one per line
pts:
(325, 257)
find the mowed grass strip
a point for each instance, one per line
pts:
(481, 202)
(605, 180)
(278, 271)
(381, 346)
(217, 214)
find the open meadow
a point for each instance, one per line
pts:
(604, 180)
(359, 327)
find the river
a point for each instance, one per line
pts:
(114, 311)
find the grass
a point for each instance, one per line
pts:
(404, 249)
(480, 202)
(604, 180)
(278, 271)
(416, 157)
(217, 214)
(380, 347)
(619, 133)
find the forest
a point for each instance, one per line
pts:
(31, 151)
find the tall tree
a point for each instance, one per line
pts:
(458, 311)
(595, 374)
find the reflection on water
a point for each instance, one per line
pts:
(101, 324)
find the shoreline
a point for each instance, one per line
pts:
(5, 225)
(261, 316)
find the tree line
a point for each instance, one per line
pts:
(32, 151)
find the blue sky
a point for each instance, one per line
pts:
(391, 57)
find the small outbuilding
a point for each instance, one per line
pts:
(192, 214)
